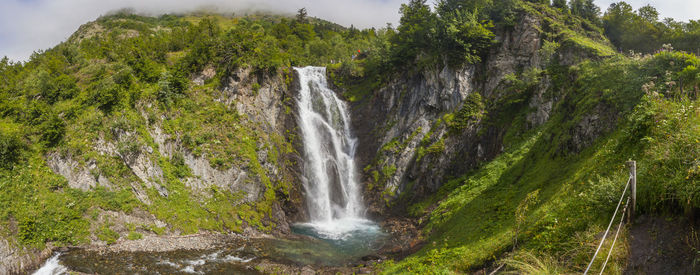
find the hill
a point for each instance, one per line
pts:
(499, 129)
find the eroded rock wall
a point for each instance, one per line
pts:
(414, 147)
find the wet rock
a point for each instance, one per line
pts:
(15, 259)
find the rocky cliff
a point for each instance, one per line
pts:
(147, 149)
(440, 123)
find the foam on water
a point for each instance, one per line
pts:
(191, 265)
(52, 267)
(330, 179)
(330, 176)
(342, 229)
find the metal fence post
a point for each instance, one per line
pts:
(633, 191)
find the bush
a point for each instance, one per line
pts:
(171, 87)
(10, 145)
(472, 110)
(107, 234)
(53, 130)
(134, 236)
(106, 94)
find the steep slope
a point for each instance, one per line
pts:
(143, 126)
(514, 156)
(444, 121)
(524, 152)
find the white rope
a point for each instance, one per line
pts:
(610, 224)
(622, 218)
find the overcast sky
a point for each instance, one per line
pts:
(29, 25)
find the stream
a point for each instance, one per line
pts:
(336, 233)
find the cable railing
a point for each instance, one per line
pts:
(631, 181)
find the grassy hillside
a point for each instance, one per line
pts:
(545, 200)
(116, 80)
(119, 85)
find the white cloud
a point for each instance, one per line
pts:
(29, 25)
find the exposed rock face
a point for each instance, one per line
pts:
(519, 49)
(602, 120)
(233, 179)
(16, 260)
(409, 111)
(78, 177)
(264, 102)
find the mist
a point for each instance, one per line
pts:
(30, 25)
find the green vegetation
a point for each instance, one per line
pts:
(542, 201)
(643, 31)
(106, 234)
(538, 207)
(472, 110)
(116, 80)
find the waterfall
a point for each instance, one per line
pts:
(52, 266)
(330, 177)
(333, 195)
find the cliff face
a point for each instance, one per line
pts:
(261, 180)
(415, 147)
(226, 157)
(423, 129)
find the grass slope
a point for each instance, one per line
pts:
(555, 200)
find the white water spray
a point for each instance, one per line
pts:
(330, 177)
(52, 267)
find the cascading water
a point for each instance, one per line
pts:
(333, 194)
(333, 198)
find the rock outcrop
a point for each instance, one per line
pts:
(414, 148)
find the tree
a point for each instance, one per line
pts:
(301, 16)
(616, 19)
(305, 32)
(585, 9)
(281, 30)
(171, 87)
(648, 13)
(463, 37)
(106, 94)
(11, 144)
(560, 4)
(415, 31)
(52, 130)
(639, 31)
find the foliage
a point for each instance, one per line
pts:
(586, 9)
(457, 32)
(106, 234)
(11, 144)
(464, 37)
(562, 201)
(134, 236)
(472, 110)
(643, 31)
(110, 84)
(171, 87)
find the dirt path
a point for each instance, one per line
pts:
(661, 245)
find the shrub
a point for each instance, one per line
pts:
(134, 236)
(107, 234)
(10, 145)
(472, 110)
(106, 94)
(171, 87)
(53, 130)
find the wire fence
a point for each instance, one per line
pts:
(617, 232)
